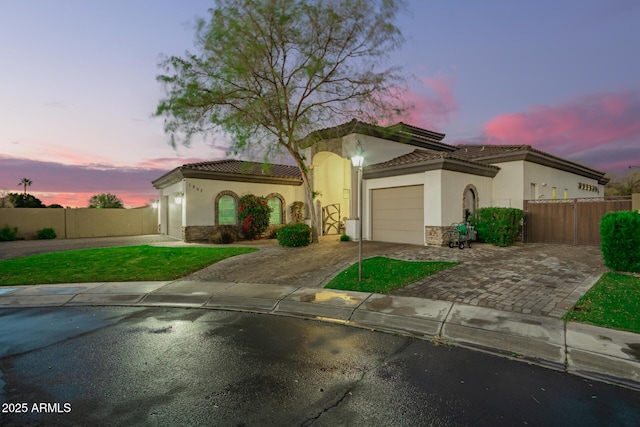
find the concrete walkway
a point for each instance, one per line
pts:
(506, 301)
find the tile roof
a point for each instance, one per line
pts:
(420, 155)
(399, 132)
(240, 167)
(481, 151)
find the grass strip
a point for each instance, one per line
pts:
(119, 264)
(383, 275)
(613, 302)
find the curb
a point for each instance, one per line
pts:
(584, 350)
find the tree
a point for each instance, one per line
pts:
(624, 185)
(105, 201)
(26, 182)
(268, 72)
(25, 201)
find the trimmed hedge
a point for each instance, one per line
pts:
(620, 240)
(295, 235)
(498, 226)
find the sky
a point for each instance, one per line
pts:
(78, 86)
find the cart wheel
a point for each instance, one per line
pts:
(461, 245)
(451, 244)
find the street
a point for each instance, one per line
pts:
(172, 366)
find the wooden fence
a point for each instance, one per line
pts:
(572, 222)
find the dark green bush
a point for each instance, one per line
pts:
(498, 226)
(8, 234)
(344, 238)
(620, 240)
(47, 233)
(253, 213)
(297, 234)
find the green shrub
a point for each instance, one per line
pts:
(297, 234)
(253, 213)
(47, 233)
(8, 234)
(620, 240)
(224, 235)
(344, 238)
(498, 226)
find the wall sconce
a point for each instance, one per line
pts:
(154, 204)
(178, 198)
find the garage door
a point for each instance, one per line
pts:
(398, 214)
(174, 219)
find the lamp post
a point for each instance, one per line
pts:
(358, 160)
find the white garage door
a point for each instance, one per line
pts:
(398, 214)
(174, 220)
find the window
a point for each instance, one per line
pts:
(227, 210)
(566, 194)
(554, 193)
(276, 210)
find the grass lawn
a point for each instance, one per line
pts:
(382, 275)
(120, 264)
(613, 302)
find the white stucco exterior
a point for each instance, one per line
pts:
(454, 180)
(521, 180)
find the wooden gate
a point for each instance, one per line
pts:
(572, 222)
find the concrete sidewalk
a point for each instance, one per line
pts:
(588, 351)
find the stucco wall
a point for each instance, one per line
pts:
(78, 223)
(200, 197)
(376, 150)
(453, 188)
(508, 185)
(635, 202)
(513, 184)
(332, 176)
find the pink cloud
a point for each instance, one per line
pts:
(578, 125)
(73, 185)
(432, 102)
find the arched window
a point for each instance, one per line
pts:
(276, 204)
(227, 210)
(469, 201)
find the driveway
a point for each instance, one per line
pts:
(537, 279)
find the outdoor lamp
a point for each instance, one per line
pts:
(358, 160)
(178, 198)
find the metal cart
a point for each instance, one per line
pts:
(460, 234)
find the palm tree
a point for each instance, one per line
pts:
(26, 182)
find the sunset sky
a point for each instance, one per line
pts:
(78, 88)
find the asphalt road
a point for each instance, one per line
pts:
(169, 366)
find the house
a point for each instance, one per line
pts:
(414, 185)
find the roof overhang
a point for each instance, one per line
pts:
(178, 174)
(444, 163)
(542, 159)
(399, 132)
